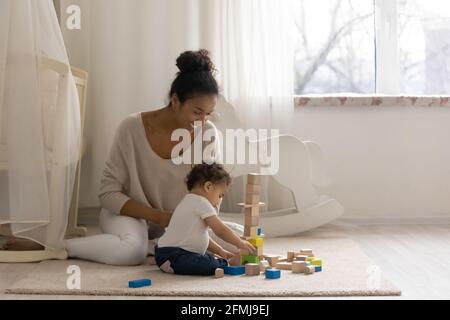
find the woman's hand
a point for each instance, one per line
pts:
(227, 255)
(164, 218)
(245, 245)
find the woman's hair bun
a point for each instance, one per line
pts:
(195, 61)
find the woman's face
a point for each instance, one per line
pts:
(194, 109)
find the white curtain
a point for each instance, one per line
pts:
(256, 60)
(129, 49)
(39, 123)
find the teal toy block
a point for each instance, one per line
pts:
(234, 270)
(139, 283)
(272, 273)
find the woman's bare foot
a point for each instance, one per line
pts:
(18, 244)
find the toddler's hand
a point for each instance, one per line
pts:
(227, 255)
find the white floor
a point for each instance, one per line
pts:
(415, 257)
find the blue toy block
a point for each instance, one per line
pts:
(139, 283)
(234, 270)
(272, 273)
(259, 231)
(318, 268)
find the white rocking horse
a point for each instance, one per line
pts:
(293, 186)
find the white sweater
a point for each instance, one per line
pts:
(134, 171)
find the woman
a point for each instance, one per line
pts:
(141, 185)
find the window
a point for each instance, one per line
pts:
(367, 46)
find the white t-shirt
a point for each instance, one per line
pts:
(187, 228)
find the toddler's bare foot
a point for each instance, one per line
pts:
(236, 260)
(18, 244)
(151, 260)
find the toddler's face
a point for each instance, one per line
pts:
(215, 192)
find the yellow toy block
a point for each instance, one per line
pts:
(257, 242)
(316, 262)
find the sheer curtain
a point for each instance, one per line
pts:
(256, 60)
(255, 57)
(39, 123)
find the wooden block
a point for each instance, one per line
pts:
(252, 211)
(300, 258)
(252, 269)
(219, 273)
(272, 273)
(310, 269)
(306, 252)
(250, 231)
(139, 283)
(284, 265)
(248, 205)
(257, 242)
(252, 198)
(316, 262)
(299, 266)
(263, 265)
(251, 220)
(272, 261)
(253, 189)
(253, 178)
(290, 256)
(234, 270)
(259, 251)
(249, 259)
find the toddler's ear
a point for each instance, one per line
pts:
(207, 186)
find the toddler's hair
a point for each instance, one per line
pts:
(201, 173)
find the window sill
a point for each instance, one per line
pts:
(355, 100)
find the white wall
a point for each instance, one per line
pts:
(385, 161)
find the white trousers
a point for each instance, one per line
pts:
(125, 242)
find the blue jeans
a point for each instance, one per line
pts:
(180, 261)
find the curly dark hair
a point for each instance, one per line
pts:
(204, 172)
(196, 76)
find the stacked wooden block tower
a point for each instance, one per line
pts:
(252, 230)
(252, 264)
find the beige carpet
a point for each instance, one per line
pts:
(347, 271)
